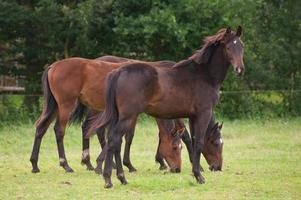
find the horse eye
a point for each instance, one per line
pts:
(177, 146)
(216, 142)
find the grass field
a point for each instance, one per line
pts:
(262, 160)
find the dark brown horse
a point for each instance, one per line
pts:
(168, 148)
(188, 89)
(67, 83)
(165, 128)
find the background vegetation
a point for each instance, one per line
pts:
(35, 33)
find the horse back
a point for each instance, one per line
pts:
(78, 78)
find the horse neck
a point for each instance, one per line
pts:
(165, 125)
(217, 67)
(210, 125)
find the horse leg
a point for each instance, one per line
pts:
(159, 158)
(123, 125)
(188, 143)
(86, 145)
(199, 126)
(126, 157)
(102, 141)
(192, 144)
(59, 129)
(40, 132)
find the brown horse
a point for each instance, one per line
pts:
(167, 148)
(165, 126)
(188, 89)
(67, 83)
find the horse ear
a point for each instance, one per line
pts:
(181, 131)
(174, 132)
(226, 35)
(211, 132)
(214, 127)
(202, 57)
(221, 126)
(239, 31)
(228, 30)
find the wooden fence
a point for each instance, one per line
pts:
(10, 84)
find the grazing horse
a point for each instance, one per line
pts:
(169, 148)
(188, 89)
(67, 83)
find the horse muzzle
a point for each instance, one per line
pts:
(215, 167)
(175, 170)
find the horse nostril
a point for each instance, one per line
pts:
(175, 170)
(215, 168)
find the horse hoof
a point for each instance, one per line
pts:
(36, 170)
(132, 169)
(200, 179)
(88, 164)
(124, 182)
(122, 179)
(108, 185)
(98, 170)
(68, 169)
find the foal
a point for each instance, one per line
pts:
(188, 89)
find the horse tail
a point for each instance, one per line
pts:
(50, 104)
(110, 114)
(78, 113)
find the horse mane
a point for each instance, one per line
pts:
(202, 56)
(182, 63)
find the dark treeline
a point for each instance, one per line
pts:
(35, 33)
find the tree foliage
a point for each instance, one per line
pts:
(34, 34)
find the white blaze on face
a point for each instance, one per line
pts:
(221, 140)
(235, 41)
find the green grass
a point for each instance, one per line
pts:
(262, 160)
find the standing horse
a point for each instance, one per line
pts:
(164, 126)
(188, 89)
(67, 83)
